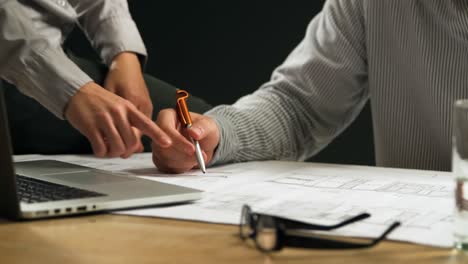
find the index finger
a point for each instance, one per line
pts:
(149, 128)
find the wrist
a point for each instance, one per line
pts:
(85, 89)
(125, 57)
(126, 63)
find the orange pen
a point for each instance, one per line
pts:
(184, 117)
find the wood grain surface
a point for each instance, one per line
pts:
(115, 239)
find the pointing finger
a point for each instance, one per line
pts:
(149, 128)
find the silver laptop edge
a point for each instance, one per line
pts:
(121, 191)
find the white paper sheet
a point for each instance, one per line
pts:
(318, 193)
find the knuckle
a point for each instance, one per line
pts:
(118, 109)
(129, 105)
(102, 116)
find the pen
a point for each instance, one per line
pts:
(186, 120)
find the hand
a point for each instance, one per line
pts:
(125, 79)
(180, 156)
(107, 120)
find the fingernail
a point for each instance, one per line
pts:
(198, 131)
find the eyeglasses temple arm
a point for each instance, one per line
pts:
(322, 243)
(384, 235)
(301, 225)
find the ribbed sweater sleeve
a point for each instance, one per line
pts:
(315, 94)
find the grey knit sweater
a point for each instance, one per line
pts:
(409, 57)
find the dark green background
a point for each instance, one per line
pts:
(223, 50)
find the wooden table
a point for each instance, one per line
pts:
(115, 239)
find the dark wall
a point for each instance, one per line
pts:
(225, 49)
(220, 51)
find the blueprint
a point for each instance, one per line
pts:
(318, 193)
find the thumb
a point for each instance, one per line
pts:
(202, 128)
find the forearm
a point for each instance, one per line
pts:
(312, 97)
(257, 127)
(33, 62)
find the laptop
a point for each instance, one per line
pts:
(49, 188)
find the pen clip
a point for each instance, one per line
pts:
(182, 109)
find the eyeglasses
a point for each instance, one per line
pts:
(272, 233)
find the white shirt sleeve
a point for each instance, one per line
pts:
(109, 27)
(34, 61)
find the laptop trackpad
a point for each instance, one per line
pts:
(90, 178)
(46, 167)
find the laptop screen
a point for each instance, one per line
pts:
(9, 205)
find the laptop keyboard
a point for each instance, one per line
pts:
(35, 191)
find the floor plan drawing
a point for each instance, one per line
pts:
(317, 193)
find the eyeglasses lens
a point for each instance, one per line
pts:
(246, 227)
(267, 236)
